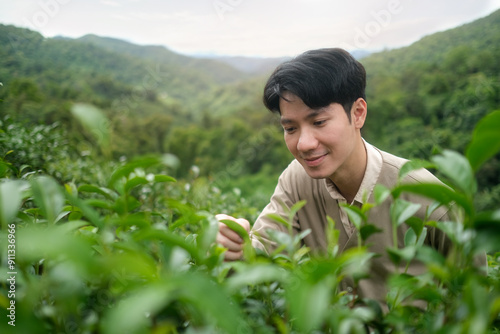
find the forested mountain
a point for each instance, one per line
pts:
(112, 63)
(440, 85)
(421, 98)
(216, 71)
(250, 64)
(478, 36)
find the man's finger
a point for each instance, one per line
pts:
(228, 233)
(229, 244)
(233, 256)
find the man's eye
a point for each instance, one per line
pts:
(289, 130)
(318, 123)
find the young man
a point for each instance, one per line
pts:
(320, 97)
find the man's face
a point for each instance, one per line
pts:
(322, 140)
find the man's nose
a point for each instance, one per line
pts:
(307, 141)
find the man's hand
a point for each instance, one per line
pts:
(230, 239)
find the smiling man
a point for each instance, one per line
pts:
(320, 97)
(326, 141)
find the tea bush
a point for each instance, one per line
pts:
(137, 254)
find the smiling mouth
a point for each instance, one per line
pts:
(314, 161)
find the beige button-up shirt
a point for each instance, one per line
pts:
(372, 172)
(323, 199)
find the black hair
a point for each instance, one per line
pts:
(319, 78)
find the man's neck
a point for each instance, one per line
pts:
(348, 179)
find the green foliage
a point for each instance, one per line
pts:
(92, 119)
(485, 141)
(138, 254)
(31, 148)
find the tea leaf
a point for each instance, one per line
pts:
(308, 301)
(48, 196)
(256, 274)
(402, 210)
(367, 230)
(485, 141)
(97, 190)
(134, 182)
(278, 219)
(414, 165)
(124, 171)
(442, 194)
(94, 122)
(248, 250)
(10, 201)
(457, 169)
(133, 313)
(164, 178)
(355, 215)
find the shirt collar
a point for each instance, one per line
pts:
(373, 168)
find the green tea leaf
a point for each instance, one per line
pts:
(10, 200)
(410, 238)
(164, 178)
(284, 240)
(296, 207)
(57, 242)
(487, 225)
(457, 169)
(5, 168)
(132, 264)
(485, 141)
(356, 262)
(398, 254)
(240, 230)
(278, 219)
(98, 203)
(416, 224)
(85, 209)
(211, 301)
(124, 171)
(402, 210)
(414, 165)
(441, 193)
(138, 219)
(134, 182)
(355, 215)
(48, 196)
(255, 275)
(332, 235)
(367, 230)
(308, 301)
(94, 121)
(207, 234)
(169, 239)
(248, 249)
(130, 315)
(109, 194)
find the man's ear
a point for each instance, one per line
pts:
(358, 113)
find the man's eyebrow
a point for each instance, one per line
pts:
(315, 113)
(312, 114)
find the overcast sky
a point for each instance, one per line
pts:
(268, 28)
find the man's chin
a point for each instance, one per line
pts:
(315, 174)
